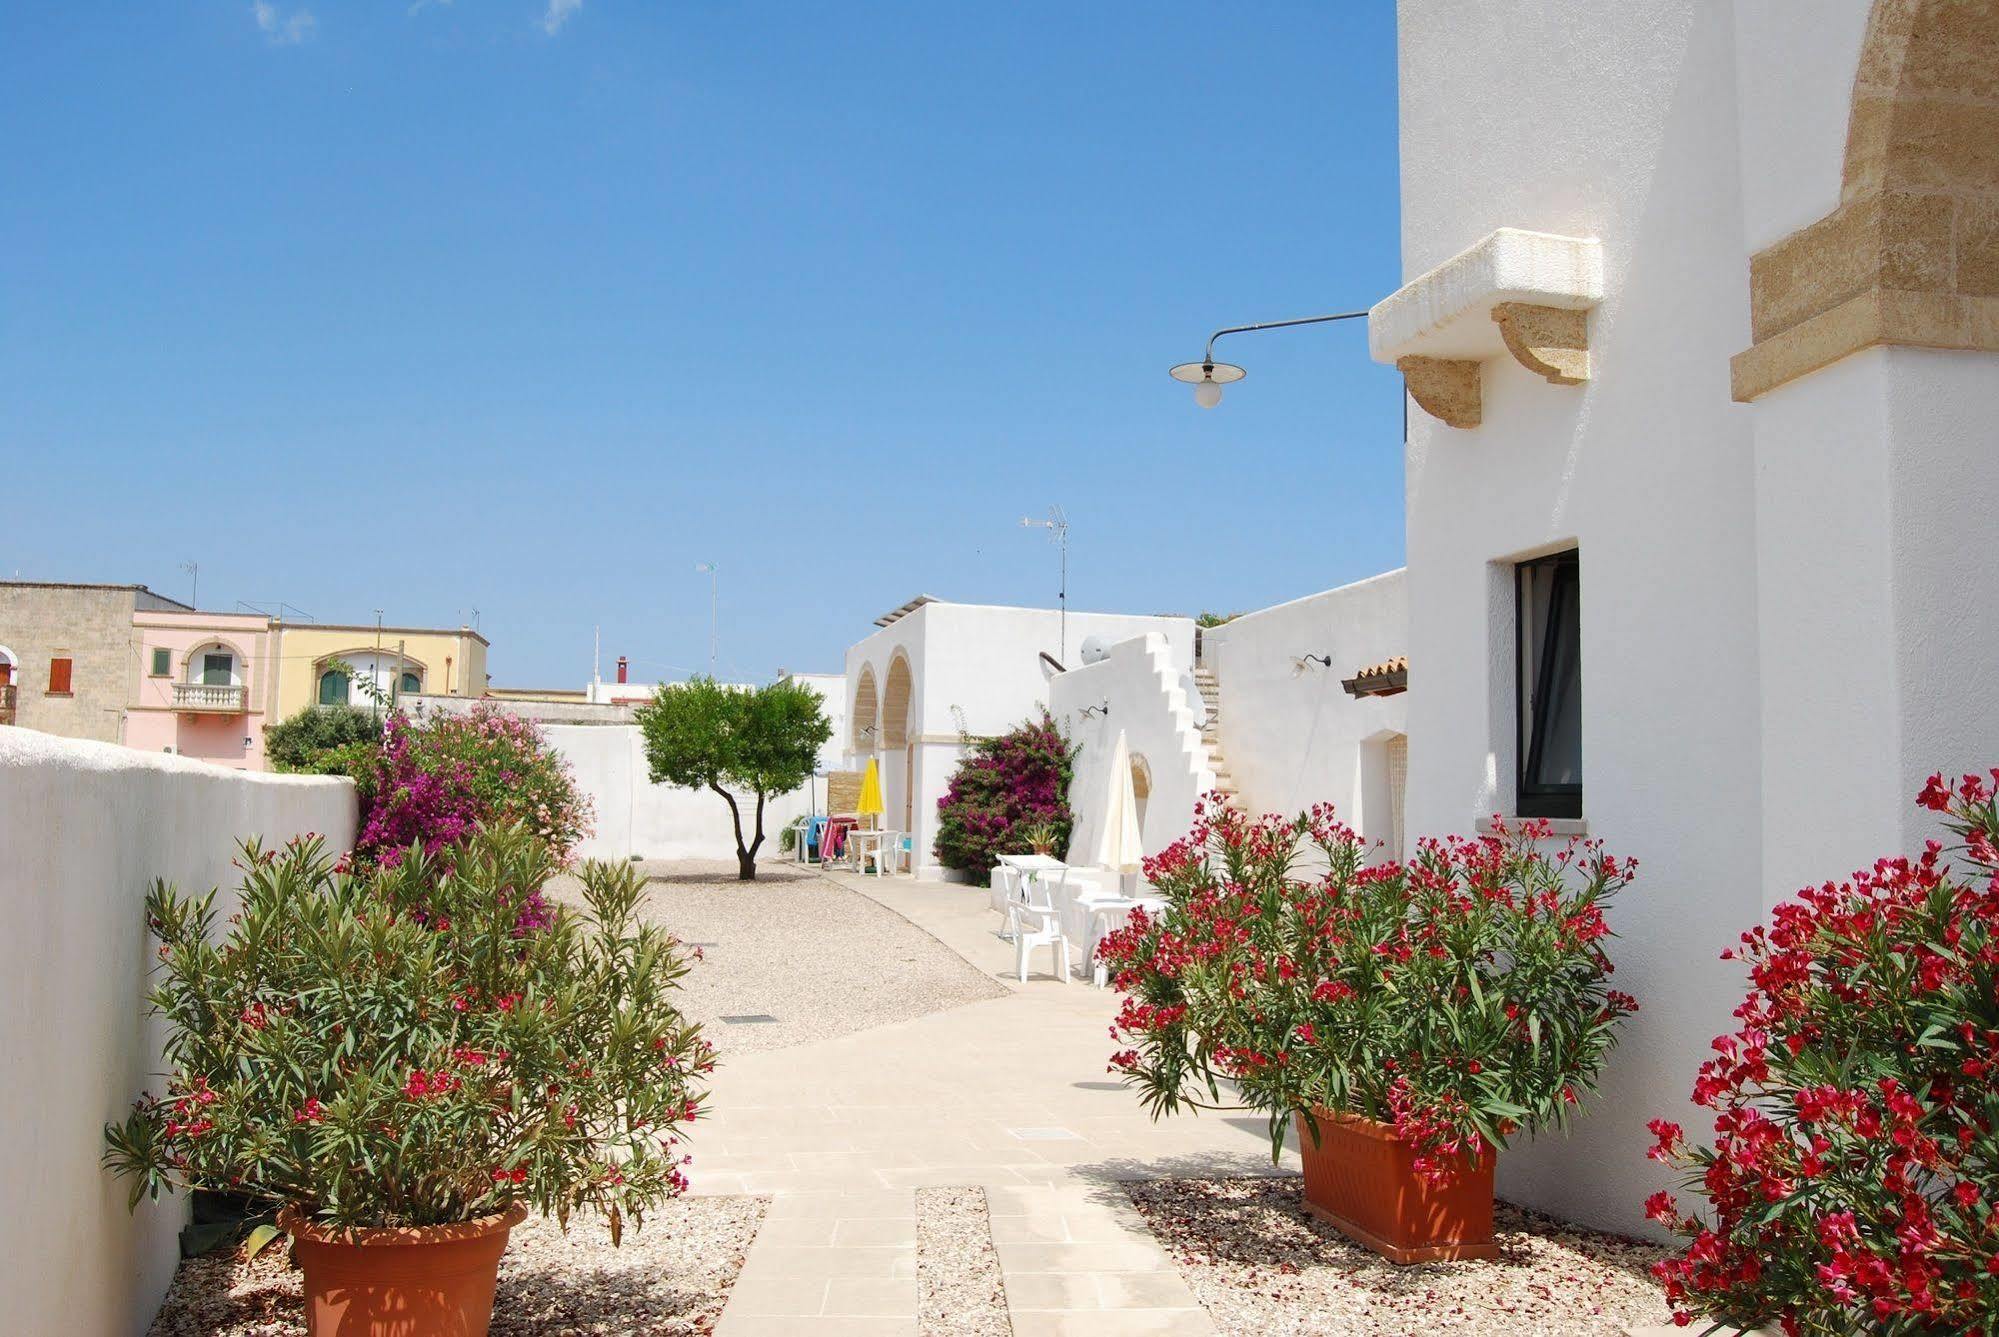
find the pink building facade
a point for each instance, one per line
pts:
(204, 686)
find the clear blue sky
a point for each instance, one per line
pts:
(478, 304)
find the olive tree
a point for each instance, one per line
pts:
(736, 741)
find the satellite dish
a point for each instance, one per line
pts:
(1095, 649)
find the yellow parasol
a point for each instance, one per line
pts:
(871, 791)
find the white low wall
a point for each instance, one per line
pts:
(1292, 736)
(84, 829)
(1140, 681)
(638, 818)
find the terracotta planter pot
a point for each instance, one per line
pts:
(1359, 1181)
(419, 1281)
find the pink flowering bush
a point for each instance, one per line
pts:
(1461, 996)
(433, 780)
(1851, 1185)
(1007, 788)
(374, 1068)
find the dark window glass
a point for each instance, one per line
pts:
(1550, 691)
(216, 668)
(333, 688)
(412, 685)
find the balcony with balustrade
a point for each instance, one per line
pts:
(203, 698)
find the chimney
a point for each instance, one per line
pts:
(621, 669)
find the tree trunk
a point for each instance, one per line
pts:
(746, 855)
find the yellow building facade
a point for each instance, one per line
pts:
(325, 665)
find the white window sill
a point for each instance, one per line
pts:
(1563, 827)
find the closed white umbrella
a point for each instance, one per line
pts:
(1120, 844)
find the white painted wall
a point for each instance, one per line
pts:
(1616, 122)
(635, 817)
(1292, 736)
(84, 829)
(1786, 611)
(975, 670)
(1141, 682)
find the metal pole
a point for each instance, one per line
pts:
(714, 615)
(375, 697)
(1062, 596)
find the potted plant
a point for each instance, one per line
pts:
(1039, 836)
(1853, 1180)
(1409, 1019)
(407, 1062)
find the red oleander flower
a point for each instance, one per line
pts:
(1396, 984)
(1860, 1072)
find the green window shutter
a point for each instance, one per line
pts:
(163, 662)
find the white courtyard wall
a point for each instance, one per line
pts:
(1560, 116)
(636, 818)
(84, 829)
(1140, 682)
(1291, 734)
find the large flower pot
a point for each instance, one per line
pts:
(1359, 1180)
(419, 1281)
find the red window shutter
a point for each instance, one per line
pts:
(59, 675)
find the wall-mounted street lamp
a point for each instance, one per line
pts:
(1209, 376)
(1087, 711)
(1299, 663)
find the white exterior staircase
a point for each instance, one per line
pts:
(1211, 731)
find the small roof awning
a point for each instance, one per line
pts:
(896, 615)
(1384, 679)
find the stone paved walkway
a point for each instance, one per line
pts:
(1010, 1094)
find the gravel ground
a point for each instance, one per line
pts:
(668, 1279)
(823, 960)
(1261, 1265)
(958, 1287)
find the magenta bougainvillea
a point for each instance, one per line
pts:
(1851, 1184)
(433, 781)
(1009, 783)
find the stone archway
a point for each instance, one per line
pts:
(867, 710)
(1911, 255)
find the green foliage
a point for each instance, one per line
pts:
(391, 1049)
(1009, 788)
(1462, 996)
(322, 740)
(759, 741)
(1207, 620)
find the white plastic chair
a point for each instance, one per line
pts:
(1005, 891)
(1106, 918)
(1037, 922)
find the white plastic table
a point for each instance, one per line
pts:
(881, 841)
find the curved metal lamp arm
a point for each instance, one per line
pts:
(1208, 358)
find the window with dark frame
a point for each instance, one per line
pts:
(163, 662)
(1549, 689)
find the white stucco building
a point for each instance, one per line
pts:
(1698, 328)
(936, 675)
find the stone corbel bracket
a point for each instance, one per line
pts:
(1526, 295)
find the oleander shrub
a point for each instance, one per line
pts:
(378, 1067)
(1850, 1185)
(1007, 788)
(1462, 997)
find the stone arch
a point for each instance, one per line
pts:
(191, 659)
(1911, 255)
(867, 710)
(896, 692)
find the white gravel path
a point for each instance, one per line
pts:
(823, 960)
(1262, 1266)
(668, 1279)
(959, 1291)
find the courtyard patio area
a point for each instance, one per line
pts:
(903, 1138)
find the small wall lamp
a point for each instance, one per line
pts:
(1299, 663)
(1209, 376)
(1088, 711)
